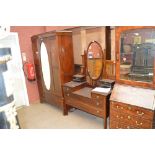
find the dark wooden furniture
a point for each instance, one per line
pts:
(132, 99)
(82, 95)
(61, 66)
(134, 108)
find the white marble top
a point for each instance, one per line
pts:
(102, 90)
(134, 96)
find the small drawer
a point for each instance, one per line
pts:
(67, 94)
(66, 89)
(97, 96)
(98, 103)
(97, 112)
(132, 110)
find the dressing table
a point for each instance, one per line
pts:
(82, 95)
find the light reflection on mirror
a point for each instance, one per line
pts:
(137, 50)
(45, 66)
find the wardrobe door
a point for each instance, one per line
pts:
(55, 66)
(66, 57)
(46, 69)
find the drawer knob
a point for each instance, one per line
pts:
(129, 117)
(97, 96)
(97, 111)
(67, 88)
(140, 113)
(128, 127)
(97, 103)
(139, 123)
(121, 107)
(121, 117)
(117, 106)
(117, 116)
(129, 108)
(67, 94)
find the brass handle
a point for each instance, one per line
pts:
(63, 50)
(117, 106)
(139, 123)
(120, 117)
(140, 113)
(97, 103)
(97, 111)
(117, 127)
(129, 117)
(67, 94)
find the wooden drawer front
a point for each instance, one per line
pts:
(84, 106)
(97, 96)
(98, 100)
(130, 120)
(132, 110)
(117, 125)
(89, 101)
(67, 94)
(67, 89)
(98, 103)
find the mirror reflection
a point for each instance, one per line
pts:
(45, 66)
(137, 55)
(94, 60)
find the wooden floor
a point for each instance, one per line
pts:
(46, 116)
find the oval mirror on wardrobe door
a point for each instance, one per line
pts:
(45, 66)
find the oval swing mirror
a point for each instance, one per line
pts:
(45, 66)
(94, 60)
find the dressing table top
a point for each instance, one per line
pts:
(73, 84)
(85, 92)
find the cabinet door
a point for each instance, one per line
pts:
(46, 70)
(55, 66)
(66, 57)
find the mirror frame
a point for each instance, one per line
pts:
(102, 57)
